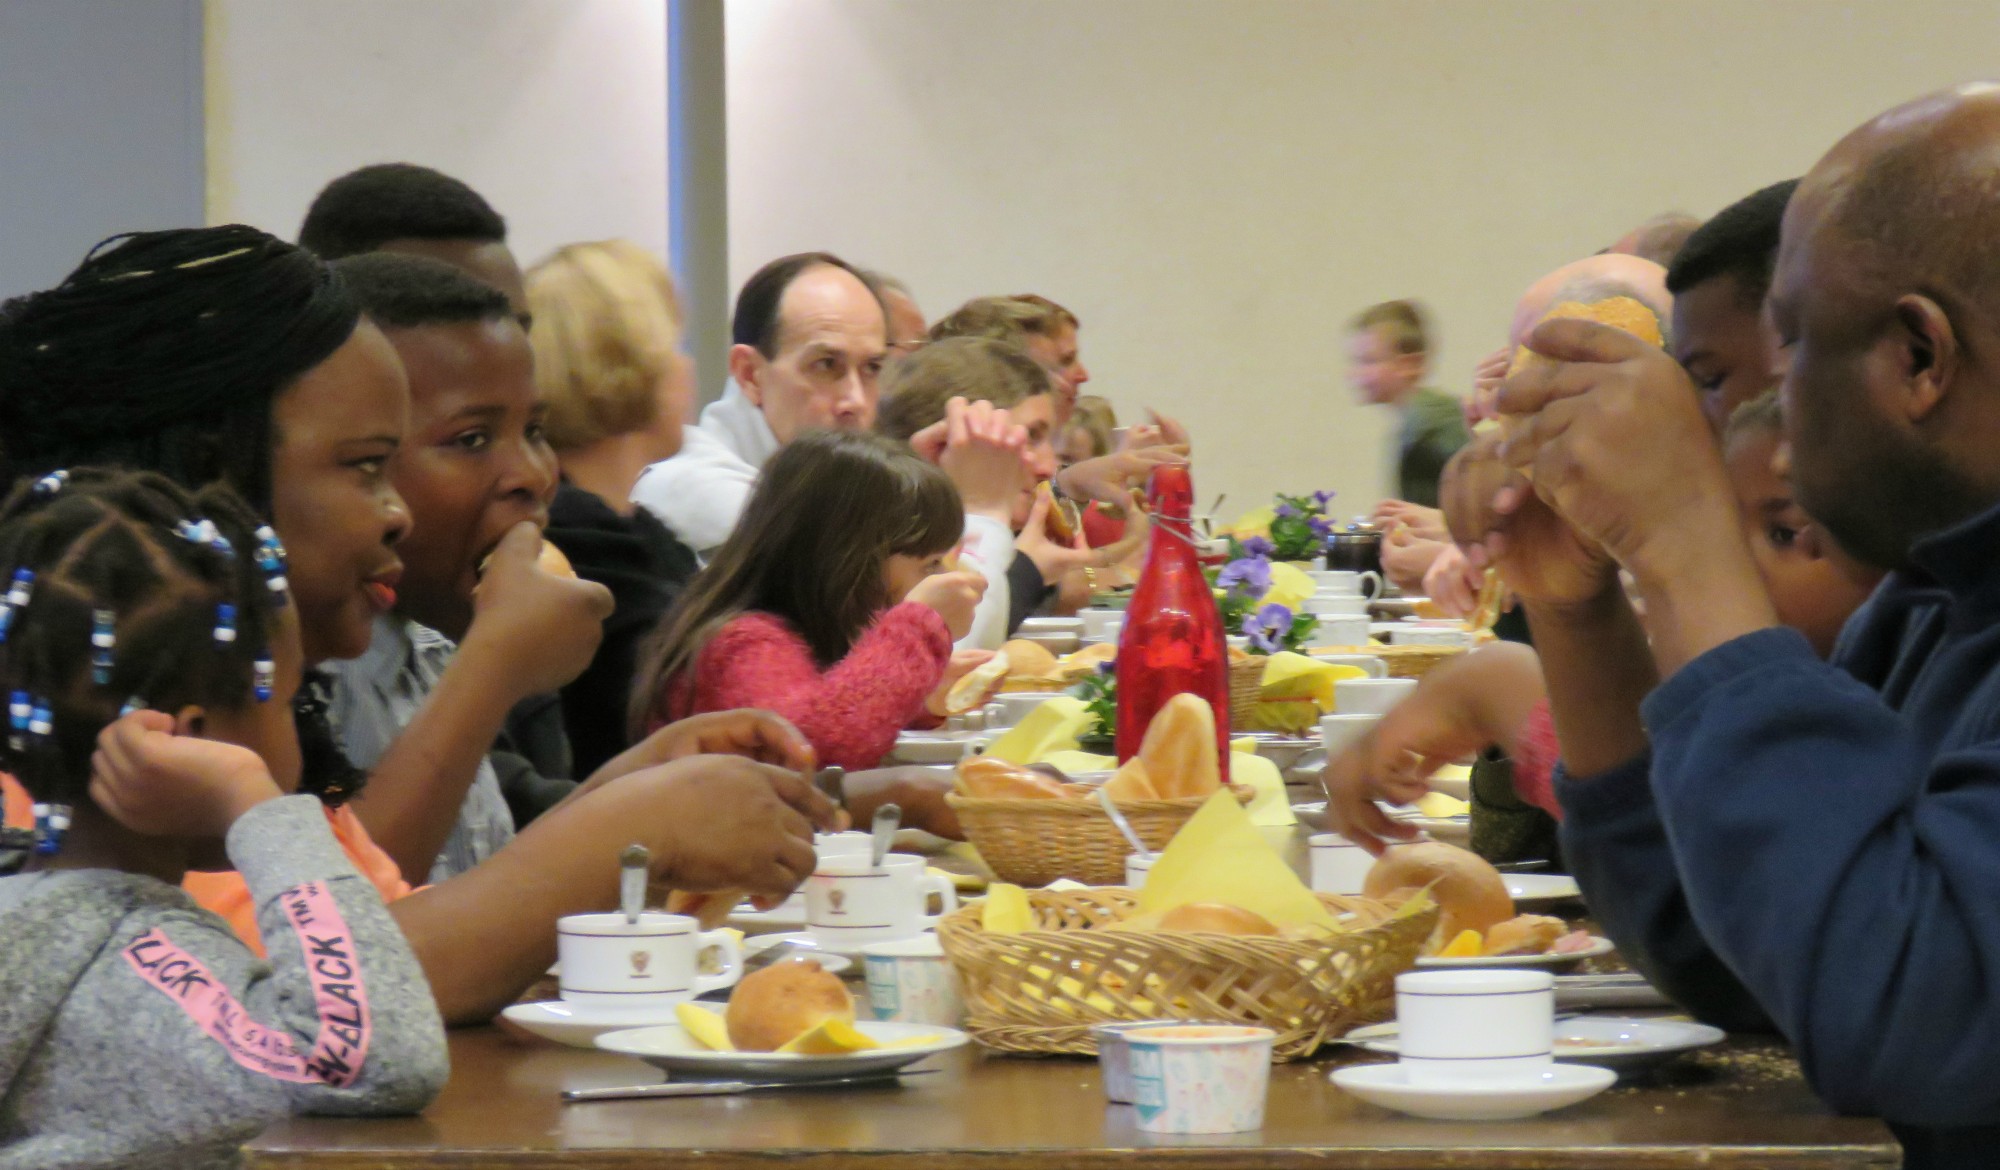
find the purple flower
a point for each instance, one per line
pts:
(1321, 526)
(1108, 666)
(1287, 512)
(1249, 577)
(1267, 628)
(1322, 499)
(1258, 546)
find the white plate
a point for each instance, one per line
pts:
(1051, 625)
(1541, 887)
(832, 961)
(787, 915)
(931, 747)
(1451, 830)
(671, 1048)
(1609, 1041)
(1562, 1084)
(1598, 946)
(577, 1025)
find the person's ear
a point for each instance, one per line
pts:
(191, 721)
(746, 365)
(1927, 352)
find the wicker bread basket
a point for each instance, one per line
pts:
(1033, 842)
(1246, 689)
(1409, 661)
(1040, 991)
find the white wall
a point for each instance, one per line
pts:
(1215, 187)
(555, 110)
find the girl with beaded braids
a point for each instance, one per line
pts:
(149, 653)
(226, 354)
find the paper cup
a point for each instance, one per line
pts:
(1475, 1027)
(1370, 696)
(1339, 866)
(1200, 1078)
(911, 982)
(1114, 1057)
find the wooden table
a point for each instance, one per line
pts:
(1743, 1109)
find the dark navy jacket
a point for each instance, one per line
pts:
(1818, 846)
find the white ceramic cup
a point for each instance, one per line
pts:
(1344, 629)
(846, 844)
(1102, 624)
(911, 982)
(1370, 696)
(1339, 866)
(1368, 664)
(1336, 605)
(1007, 710)
(1475, 1027)
(850, 903)
(1348, 582)
(1137, 866)
(1200, 1078)
(1336, 731)
(1431, 636)
(643, 967)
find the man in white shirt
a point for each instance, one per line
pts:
(810, 336)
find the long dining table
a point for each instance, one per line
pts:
(1742, 1105)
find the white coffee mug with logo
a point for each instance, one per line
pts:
(610, 964)
(850, 903)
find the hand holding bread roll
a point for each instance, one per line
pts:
(1468, 890)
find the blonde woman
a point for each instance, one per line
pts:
(606, 336)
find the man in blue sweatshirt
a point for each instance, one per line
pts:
(1762, 830)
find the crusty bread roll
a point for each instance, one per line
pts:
(1029, 659)
(784, 1000)
(1179, 748)
(1529, 934)
(1468, 891)
(992, 779)
(710, 910)
(1131, 782)
(1060, 526)
(553, 562)
(1216, 918)
(970, 690)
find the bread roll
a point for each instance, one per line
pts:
(1029, 659)
(1216, 918)
(992, 779)
(1061, 525)
(1529, 934)
(1179, 748)
(970, 690)
(550, 560)
(1131, 782)
(1468, 891)
(784, 1000)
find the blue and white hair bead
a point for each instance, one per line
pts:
(103, 637)
(225, 624)
(51, 483)
(51, 822)
(204, 532)
(19, 590)
(20, 712)
(265, 676)
(271, 559)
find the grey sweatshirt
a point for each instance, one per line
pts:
(136, 1030)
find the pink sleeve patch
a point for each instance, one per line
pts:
(338, 996)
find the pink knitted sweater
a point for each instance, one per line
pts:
(852, 711)
(1536, 754)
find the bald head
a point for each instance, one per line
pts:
(1659, 239)
(1592, 279)
(1887, 297)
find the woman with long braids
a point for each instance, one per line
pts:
(224, 354)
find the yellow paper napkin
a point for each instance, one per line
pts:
(1219, 856)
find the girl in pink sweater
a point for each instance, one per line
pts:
(828, 604)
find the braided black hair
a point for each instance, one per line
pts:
(365, 209)
(164, 351)
(107, 541)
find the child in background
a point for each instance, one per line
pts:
(828, 604)
(149, 655)
(1494, 696)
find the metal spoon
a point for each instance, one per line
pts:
(888, 819)
(632, 882)
(1124, 826)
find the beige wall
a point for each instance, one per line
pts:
(1216, 186)
(555, 110)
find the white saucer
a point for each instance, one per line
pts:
(1562, 1084)
(1598, 946)
(787, 915)
(1541, 887)
(577, 1025)
(1616, 1042)
(931, 747)
(671, 1048)
(831, 959)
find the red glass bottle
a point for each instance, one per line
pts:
(1172, 641)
